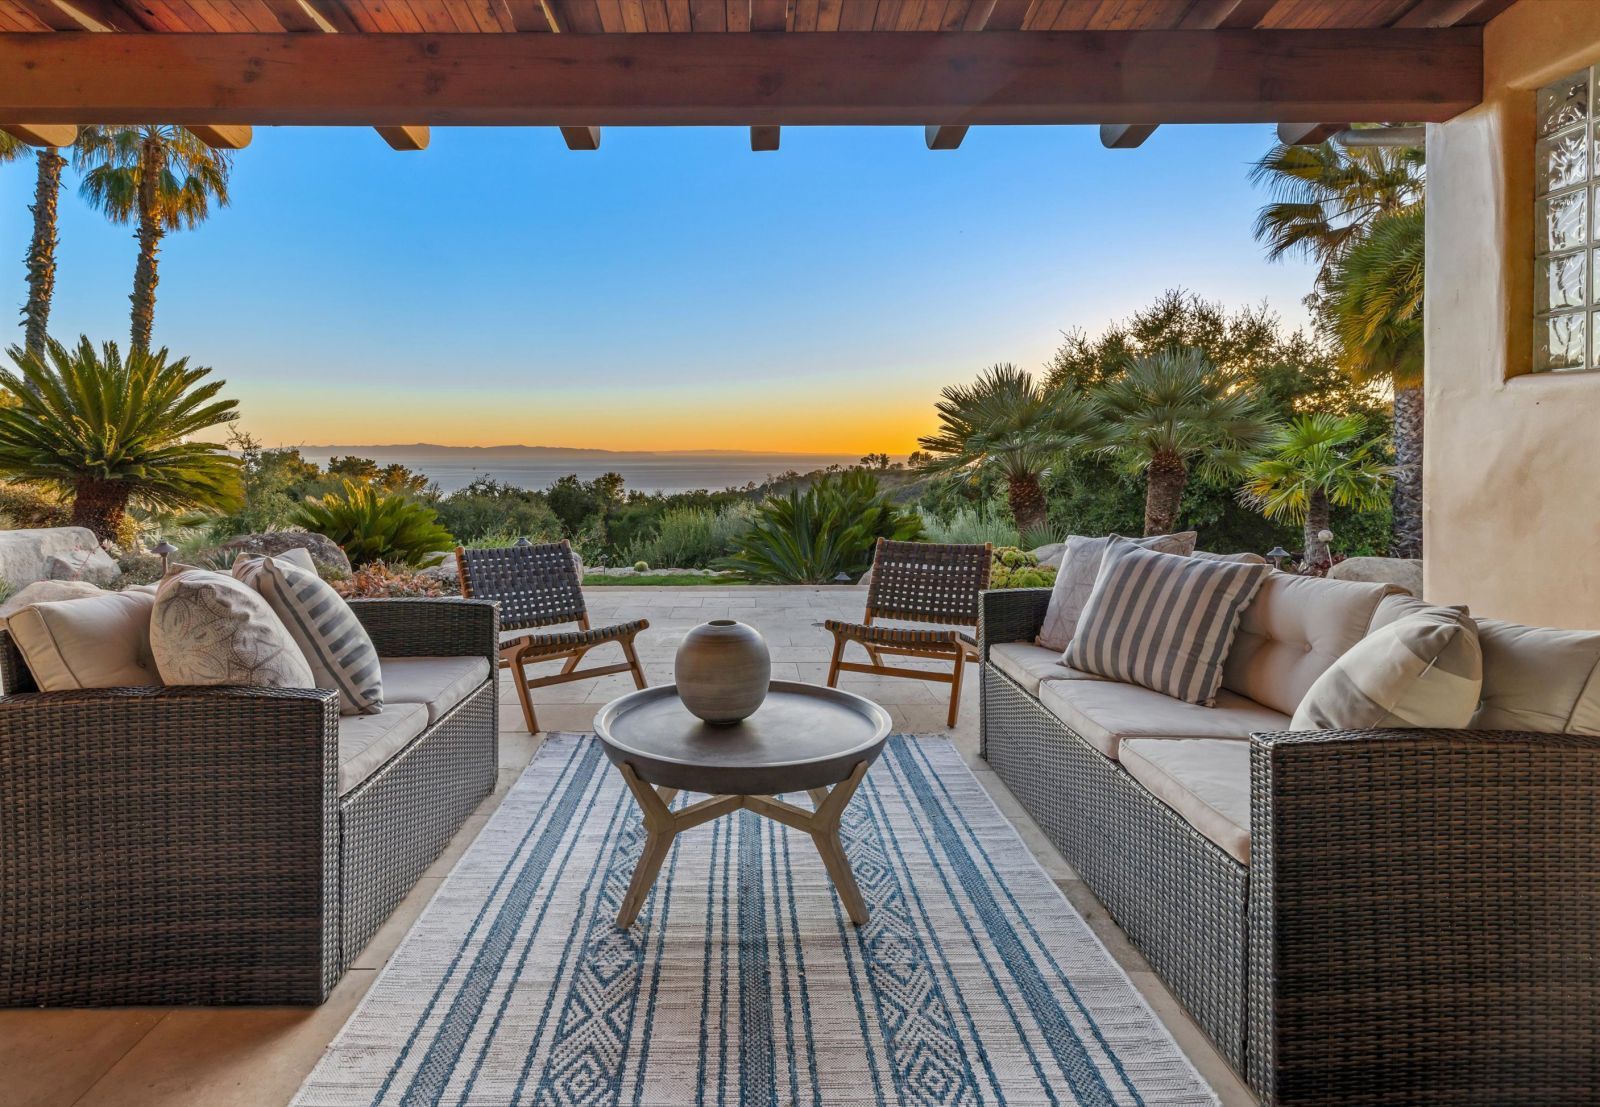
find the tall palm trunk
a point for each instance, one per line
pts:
(150, 232)
(1026, 499)
(41, 259)
(1407, 534)
(99, 505)
(1163, 492)
(1317, 519)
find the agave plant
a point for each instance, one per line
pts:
(108, 430)
(811, 537)
(376, 526)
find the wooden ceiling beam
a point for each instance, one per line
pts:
(42, 134)
(222, 137)
(404, 138)
(983, 15)
(1125, 136)
(581, 138)
(767, 15)
(711, 79)
(1308, 134)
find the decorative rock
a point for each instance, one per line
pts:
(46, 591)
(93, 565)
(723, 671)
(25, 555)
(1406, 572)
(323, 550)
(1050, 554)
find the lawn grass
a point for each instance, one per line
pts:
(645, 580)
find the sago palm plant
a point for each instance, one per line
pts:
(108, 430)
(1311, 463)
(1007, 422)
(159, 178)
(373, 525)
(1171, 412)
(811, 537)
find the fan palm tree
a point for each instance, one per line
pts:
(1172, 412)
(1373, 308)
(1325, 197)
(1311, 463)
(108, 430)
(1007, 422)
(160, 178)
(41, 260)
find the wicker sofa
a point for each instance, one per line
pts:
(233, 845)
(1398, 916)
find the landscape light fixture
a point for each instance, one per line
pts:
(165, 550)
(842, 578)
(523, 541)
(1276, 556)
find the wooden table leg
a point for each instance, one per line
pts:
(825, 833)
(661, 826)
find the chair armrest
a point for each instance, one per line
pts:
(1424, 907)
(169, 845)
(423, 627)
(1010, 615)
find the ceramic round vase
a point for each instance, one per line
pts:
(722, 671)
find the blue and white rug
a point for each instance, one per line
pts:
(743, 983)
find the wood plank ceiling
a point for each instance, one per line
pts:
(636, 17)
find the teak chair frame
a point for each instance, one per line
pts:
(925, 583)
(537, 585)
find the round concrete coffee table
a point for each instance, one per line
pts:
(804, 738)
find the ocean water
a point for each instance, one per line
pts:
(674, 473)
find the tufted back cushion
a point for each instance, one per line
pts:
(1294, 629)
(1539, 679)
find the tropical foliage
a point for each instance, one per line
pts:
(1017, 568)
(373, 525)
(1325, 197)
(109, 430)
(1008, 424)
(811, 536)
(1310, 464)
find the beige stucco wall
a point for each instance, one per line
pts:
(1512, 494)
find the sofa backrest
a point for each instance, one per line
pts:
(1539, 679)
(1294, 629)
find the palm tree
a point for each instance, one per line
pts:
(109, 430)
(1008, 423)
(1373, 307)
(1331, 203)
(1311, 463)
(1171, 412)
(41, 259)
(161, 178)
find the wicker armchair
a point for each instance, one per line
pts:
(192, 845)
(538, 586)
(923, 583)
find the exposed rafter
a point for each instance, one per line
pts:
(767, 15)
(763, 138)
(404, 138)
(42, 134)
(1308, 134)
(330, 18)
(943, 138)
(985, 15)
(85, 15)
(581, 138)
(220, 137)
(1125, 136)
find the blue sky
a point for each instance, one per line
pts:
(672, 290)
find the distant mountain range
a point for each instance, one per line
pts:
(468, 454)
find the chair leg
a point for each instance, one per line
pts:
(833, 665)
(955, 689)
(633, 663)
(572, 662)
(519, 676)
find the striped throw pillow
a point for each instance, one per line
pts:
(335, 643)
(1162, 621)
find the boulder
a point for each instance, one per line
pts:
(30, 555)
(45, 591)
(323, 550)
(1406, 572)
(1050, 554)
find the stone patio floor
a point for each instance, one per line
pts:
(257, 1057)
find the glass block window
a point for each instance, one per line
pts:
(1566, 221)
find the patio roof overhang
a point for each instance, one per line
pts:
(1129, 65)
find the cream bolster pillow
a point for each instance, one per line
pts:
(1080, 565)
(1422, 670)
(207, 628)
(93, 642)
(324, 626)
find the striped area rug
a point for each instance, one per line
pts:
(743, 982)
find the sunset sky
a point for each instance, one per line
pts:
(672, 290)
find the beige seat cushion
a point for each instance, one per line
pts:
(1104, 713)
(1539, 679)
(1292, 631)
(438, 683)
(367, 742)
(1424, 669)
(207, 628)
(100, 641)
(1030, 665)
(1207, 782)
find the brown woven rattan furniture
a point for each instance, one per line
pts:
(194, 846)
(1417, 920)
(537, 585)
(917, 582)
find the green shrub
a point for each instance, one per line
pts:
(970, 526)
(641, 566)
(487, 509)
(694, 537)
(375, 526)
(811, 537)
